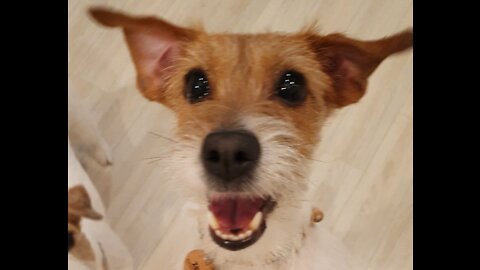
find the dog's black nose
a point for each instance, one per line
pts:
(230, 154)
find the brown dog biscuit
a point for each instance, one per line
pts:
(317, 215)
(197, 260)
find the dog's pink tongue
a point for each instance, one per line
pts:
(234, 214)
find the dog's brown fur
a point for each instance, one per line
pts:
(243, 69)
(79, 206)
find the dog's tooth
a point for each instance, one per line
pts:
(212, 221)
(234, 237)
(256, 221)
(242, 236)
(248, 233)
(218, 233)
(223, 236)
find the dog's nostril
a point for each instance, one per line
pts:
(213, 156)
(241, 157)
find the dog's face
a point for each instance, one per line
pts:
(247, 119)
(249, 110)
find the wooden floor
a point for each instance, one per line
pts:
(365, 173)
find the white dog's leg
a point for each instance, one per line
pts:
(106, 245)
(84, 135)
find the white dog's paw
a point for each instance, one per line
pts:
(91, 146)
(85, 136)
(102, 153)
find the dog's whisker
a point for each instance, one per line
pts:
(163, 137)
(300, 144)
(154, 161)
(157, 157)
(317, 160)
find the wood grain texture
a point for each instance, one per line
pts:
(364, 163)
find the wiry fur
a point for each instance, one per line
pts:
(242, 71)
(282, 175)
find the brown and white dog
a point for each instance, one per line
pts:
(250, 108)
(92, 244)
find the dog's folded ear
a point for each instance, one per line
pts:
(79, 203)
(350, 62)
(154, 46)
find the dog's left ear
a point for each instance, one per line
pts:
(350, 62)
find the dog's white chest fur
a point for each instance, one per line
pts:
(319, 250)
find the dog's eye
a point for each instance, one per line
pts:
(291, 88)
(196, 86)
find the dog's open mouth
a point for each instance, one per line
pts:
(238, 222)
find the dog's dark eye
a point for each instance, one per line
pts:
(71, 242)
(196, 86)
(291, 88)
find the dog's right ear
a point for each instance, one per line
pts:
(349, 62)
(154, 46)
(79, 204)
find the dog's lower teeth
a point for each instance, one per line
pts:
(255, 221)
(254, 224)
(232, 237)
(212, 221)
(218, 233)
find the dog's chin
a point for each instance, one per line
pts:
(238, 220)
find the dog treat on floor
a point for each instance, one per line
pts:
(197, 260)
(317, 215)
